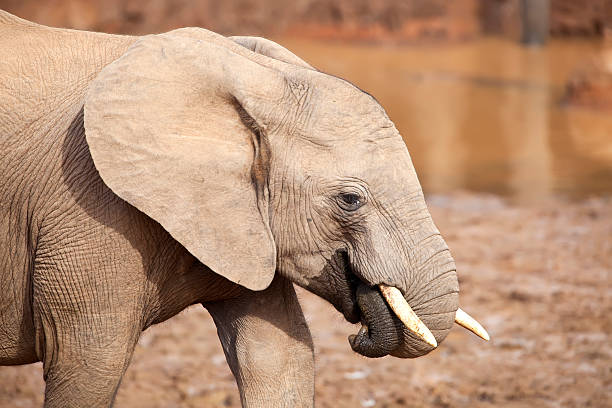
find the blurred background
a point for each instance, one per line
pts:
(506, 108)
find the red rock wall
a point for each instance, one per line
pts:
(366, 20)
(582, 18)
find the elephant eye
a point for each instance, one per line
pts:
(350, 201)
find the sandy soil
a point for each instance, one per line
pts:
(538, 277)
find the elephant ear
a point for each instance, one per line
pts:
(176, 127)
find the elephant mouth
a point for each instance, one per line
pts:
(381, 310)
(381, 330)
(359, 301)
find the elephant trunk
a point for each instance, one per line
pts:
(433, 295)
(380, 332)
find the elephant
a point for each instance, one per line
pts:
(142, 175)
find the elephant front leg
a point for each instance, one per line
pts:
(268, 346)
(84, 356)
(85, 336)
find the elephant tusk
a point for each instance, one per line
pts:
(467, 321)
(402, 309)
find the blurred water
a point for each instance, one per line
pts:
(484, 116)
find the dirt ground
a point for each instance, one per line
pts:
(537, 276)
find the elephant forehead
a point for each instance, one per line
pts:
(381, 166)
(352, 115)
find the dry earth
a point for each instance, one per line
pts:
(538, 277)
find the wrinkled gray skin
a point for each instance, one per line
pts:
(122, 190)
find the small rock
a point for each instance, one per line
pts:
(357, 375)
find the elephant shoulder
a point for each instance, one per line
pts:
(46, 71)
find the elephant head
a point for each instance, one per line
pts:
(259, 164)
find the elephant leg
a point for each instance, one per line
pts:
(85, 377)
(268, 346)
(85, 338)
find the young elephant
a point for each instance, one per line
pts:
(140, 175)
